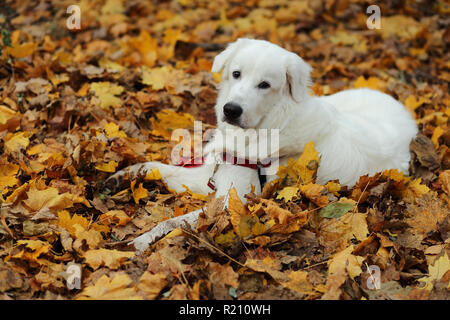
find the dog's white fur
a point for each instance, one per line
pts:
(356, 132)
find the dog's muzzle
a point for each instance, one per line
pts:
(232, 112)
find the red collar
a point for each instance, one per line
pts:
(191, 162)
(198, 162)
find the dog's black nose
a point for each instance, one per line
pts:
(232, 110)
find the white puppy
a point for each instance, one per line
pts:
(264, 86)
(356, 132)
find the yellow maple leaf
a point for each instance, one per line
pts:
(169, 120)
(345, 260)
(371, 82)
(112, 130)
(57, 78)
(146, 46)
(37, 248)
(17, 192)
(68, 222)
(305, 168)
(395, 175)
(414, 190)
(154, 174)
(108, 167)
(436, 271)
(91, 236)
(194, 195)
(6, 114)
(110, 65)
(112, 259)
(333, 187)
(106, 92)
(8, 172)
(156, 77)
(138, 193)
(120, 287)
(236, 208)
(437, 133)
(20, 50)
(412, 103)
(287, 193)
(14, 142)
(49, 197)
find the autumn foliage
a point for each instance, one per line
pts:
(76, 106)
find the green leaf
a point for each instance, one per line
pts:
(335, 210)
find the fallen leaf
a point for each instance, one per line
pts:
(152, 284)
(107, 93)
(118, 287)
(112, 259)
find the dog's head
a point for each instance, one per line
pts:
(257, 78)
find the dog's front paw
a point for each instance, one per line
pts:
(113, 183)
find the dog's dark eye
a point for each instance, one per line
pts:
(264, 85)
(236, 74)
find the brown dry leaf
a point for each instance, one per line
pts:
(152, 284)
(427, 216)
(444, 179)
(116, 217)
(294, 280)
(223, 275)
(314, 192)
(336, 234)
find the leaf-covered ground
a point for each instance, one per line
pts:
(76, 106)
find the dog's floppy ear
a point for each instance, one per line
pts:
(298, 77)
(221, 60)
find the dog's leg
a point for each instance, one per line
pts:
(142, 242)
(227, 177)
(196, 179)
